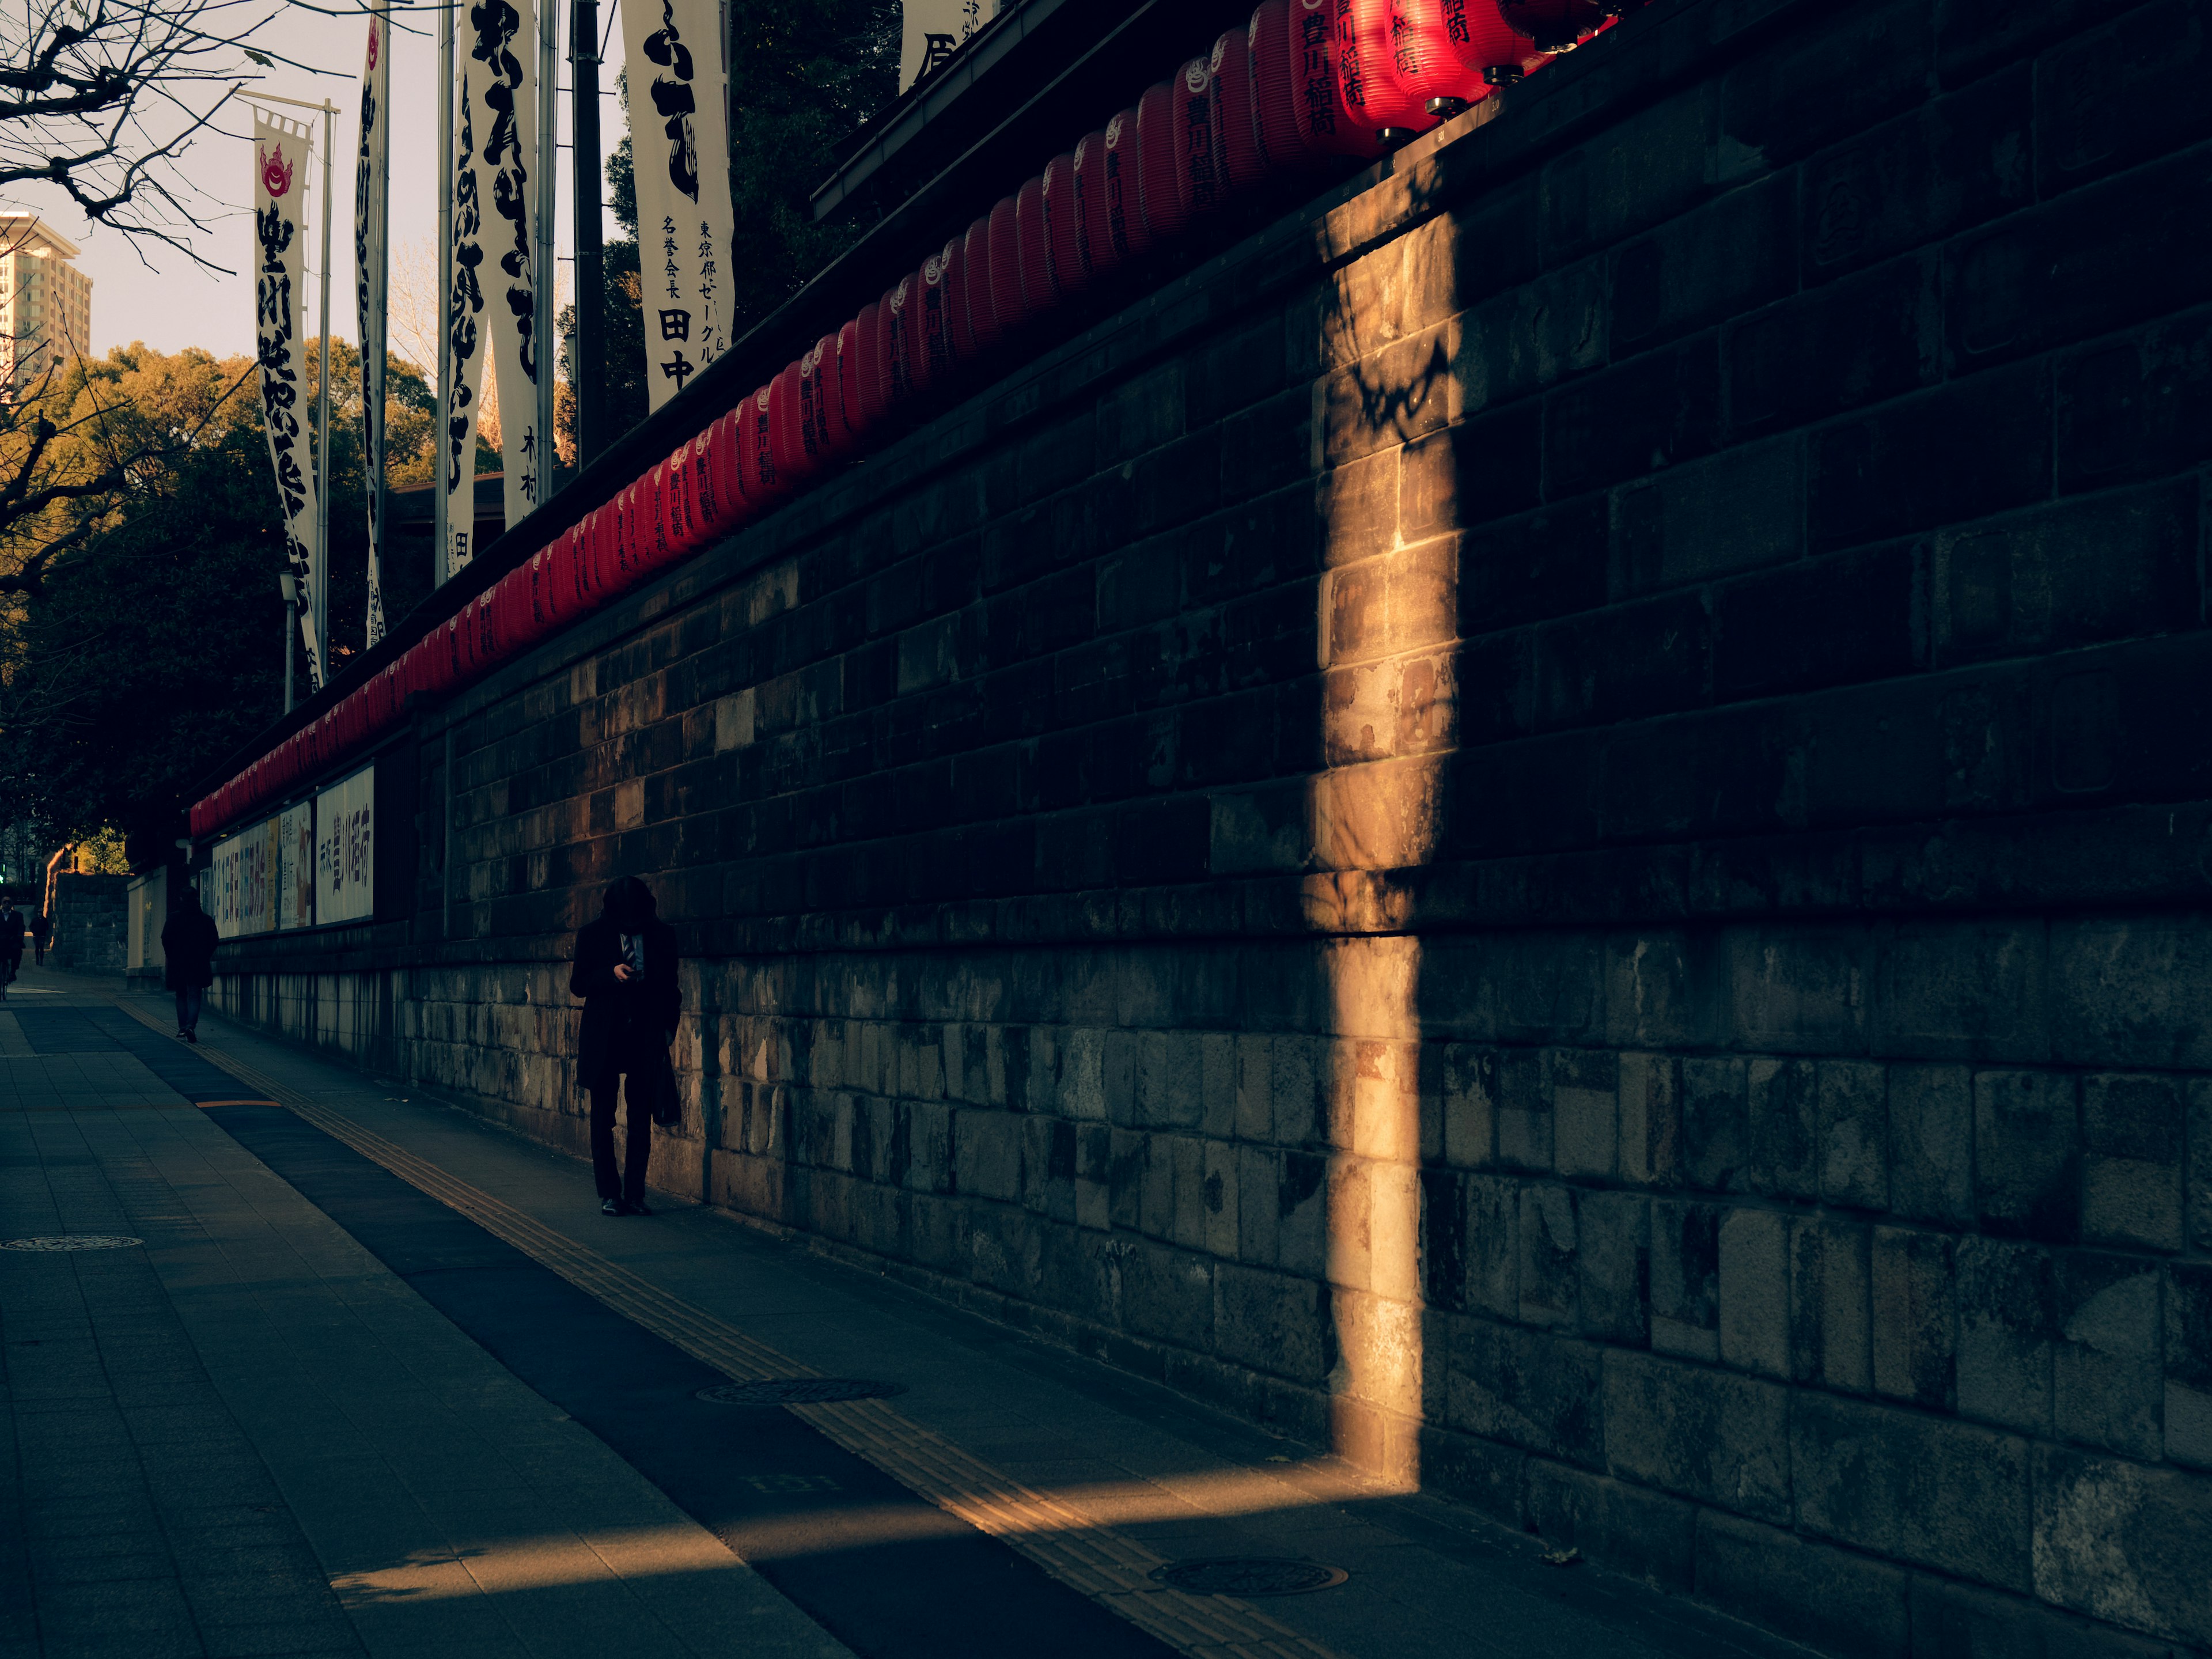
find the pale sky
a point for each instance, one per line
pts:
(175, 304)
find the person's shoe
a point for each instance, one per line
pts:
(192, 1036)
(611, 1207)
(184, 1035)
(631, 1208)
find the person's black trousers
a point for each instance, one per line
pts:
(630, 1185)
(188, 1009)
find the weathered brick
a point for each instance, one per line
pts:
(1867, 338)
(1841, 621)
(2133, 407)
(2007, 1325)
(1958, 1622)
(1585, 1087)
(1839, 1603)
(1658, 409)
(1741, 510)
(1272, 1323)
(1842, 73)
(1755, 1291)
(1650, 1103)
(2131, 1160)
(1685, 1278)
(2027, 1156)
(1613, 1263)
(1716, 1124)
(1912, 1487)
(1550, 1256)
(1538, 1392)
(2124, 1542)
(1915, 1316)
(1830, 1303)
(1624, 1527)
(1736, 252)
(1697, 1433)
(2188, 1349)
(1785, 1142)
(1852, 1113)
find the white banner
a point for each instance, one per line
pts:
(345, 863)
(464, 323)
(679, 139)
(935, 29)
(243, 880)
(372, 275)
(500, 79)
(280, 193)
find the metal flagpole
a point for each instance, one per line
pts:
(548, 198)
(440, 497)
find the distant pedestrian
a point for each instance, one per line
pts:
(11, 945)
(625, 971)
(42, 929)
(188, 943)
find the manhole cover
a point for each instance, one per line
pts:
(74, 1241)
(1249, 1575)
(797, 1391)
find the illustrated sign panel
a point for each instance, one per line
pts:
(296, 874)
(241, 888)
(345, 867)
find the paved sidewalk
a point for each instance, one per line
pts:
(249, 1438)
(1084, 1471)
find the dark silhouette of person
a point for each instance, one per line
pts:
(625, 971)
(42, 929)
(188, 942)
(11, 943)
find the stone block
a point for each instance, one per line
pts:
(1831, 1304)
(2125, 1543)
(1585, 1086)
(1273, 1323)
(1255, 1076)
(1686, 1258)
(1522, 1109)
(1625, 1528)
(1493, 1247)
(2189, 1364)
(1188, 1155)
(1834, 1601)
(2007, 1325)
(1469, 1084)
(2200, 1163)
(1614, 1262)
(1782, 1104)
(1698, 1433)
(1913, 1487)
(1716, 1146)
(1651, 1119)
(2120, 991)
(1753, 1315)
(1538, 1392)
(1915, 1323)
(1302, 1214)
(1301, 1074)
(1094, 1183)
(1852, 1112)
(1931, 1144)
(1550, 1256)
(1220, 1197)
(2027, 1156)
(1168, 1294)
(1349, 1247)
(1259, 1178)
(2107, 1381)
(2132, 1141)
(1952, 1620)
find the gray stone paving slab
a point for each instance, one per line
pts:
(248, 1437)
(1429, 1577)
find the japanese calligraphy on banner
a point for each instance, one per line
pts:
(935, 29)
(465, 326)
(499, 37)
(680, 140)
(372, 275)
(241, 888)
(346, 864)
(280, 221)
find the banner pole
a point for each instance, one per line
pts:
(548, 199)
(440, 531)
(321, 597)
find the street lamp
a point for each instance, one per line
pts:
(290, 589)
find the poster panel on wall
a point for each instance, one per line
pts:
(243, 880)
(345, 865)
(296, 874)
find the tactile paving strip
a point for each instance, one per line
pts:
(1109, 1566)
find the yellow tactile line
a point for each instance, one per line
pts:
(1098, 1561)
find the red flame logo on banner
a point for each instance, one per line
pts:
(275, 171)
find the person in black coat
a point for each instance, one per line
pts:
(188, 942)
(11, 943)
(625, 971)
(42, 929)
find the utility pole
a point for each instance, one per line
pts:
(590, 361)
(440, 535)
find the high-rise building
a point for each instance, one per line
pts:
(45, 301)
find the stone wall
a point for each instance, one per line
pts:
(92, 918)
(1549, 826)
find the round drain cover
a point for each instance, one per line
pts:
(797, 1391)
(74, 1241)
(1249, 1575)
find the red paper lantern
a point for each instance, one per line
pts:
(875, 392)
(898, 349)
(793, 461)
(1033, 249)
(817, 377)
(1371, 95)
(1423, 64)
(1009, 299)
(679, 515)
(849, 416)
(1239, 163)
(960, 325)
(1317, 106)
(976, 278)
(933, 337)
(1094, 237)
(722, 455)
(1165, 213)
(1197, 158)
(757, 474)
(1125, 211)
(1063, 224)
(1492, 49)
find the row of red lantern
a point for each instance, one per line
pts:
(1299, 85)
